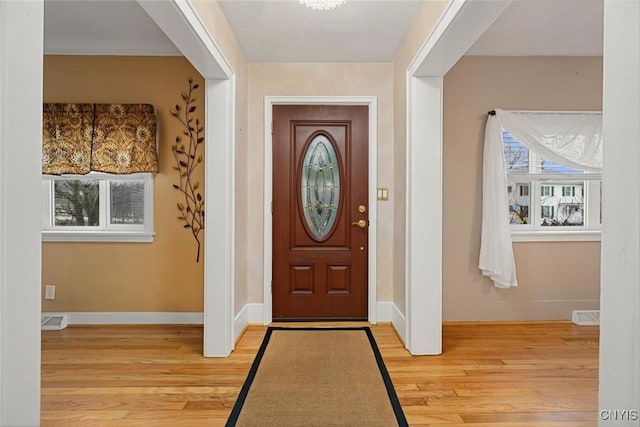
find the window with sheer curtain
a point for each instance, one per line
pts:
(541, 178)
(547, 199)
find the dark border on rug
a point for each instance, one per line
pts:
(237, 407)
(391, 392)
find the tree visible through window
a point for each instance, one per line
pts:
(77, 203)
(519, 203)
(87, 207)
(127, 202)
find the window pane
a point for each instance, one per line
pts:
(127, 202)
(516, 156)
(519, 203)
(562, 205)
(77, 202)
(550, 167)
(320, 186)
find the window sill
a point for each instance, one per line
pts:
(556, 236)
(93, 236)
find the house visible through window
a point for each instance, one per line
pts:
(564, 198)
(568, 190)
(98, 207)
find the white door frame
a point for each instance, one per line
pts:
(180, 22)
(462, 23)
(619, 362)
(372, 103)
(21, 44)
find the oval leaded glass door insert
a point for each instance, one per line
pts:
(320, 186)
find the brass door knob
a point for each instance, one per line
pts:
(362, 223)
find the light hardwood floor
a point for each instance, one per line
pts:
(503, 374)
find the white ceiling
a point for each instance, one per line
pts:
(285, 31)
(545, 27)
(102, 27)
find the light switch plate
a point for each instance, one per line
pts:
(383, 194)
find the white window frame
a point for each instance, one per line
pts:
(534, 231)
(105, 232)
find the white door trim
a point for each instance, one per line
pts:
(619, 362)
(181, 23)
(21, 44)
(461, 24)
(372, 103)
(423, 262)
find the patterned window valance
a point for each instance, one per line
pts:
(112, 138)
(67, 132)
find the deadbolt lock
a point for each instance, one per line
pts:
(362, 208)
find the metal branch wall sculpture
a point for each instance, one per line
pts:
(187, 156)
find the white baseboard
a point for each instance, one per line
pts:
(399, 323)
(254, 313)
(250, 313)
(519, 311)
(389, 312)
(240, 322)
(132, 318)
(384, 310)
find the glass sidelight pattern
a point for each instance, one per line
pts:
(320, 186)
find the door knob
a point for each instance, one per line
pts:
(362, 223)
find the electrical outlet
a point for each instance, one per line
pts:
(50, 292)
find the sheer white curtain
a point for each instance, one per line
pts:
(569, 139)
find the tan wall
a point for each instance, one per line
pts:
(553, 277)
(422, 26)
(158, 276)
(162, 276)
(319, 80)
(214, 20)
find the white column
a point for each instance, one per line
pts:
(220, 224)
(424, 216)
(21, 33)
(620, 282)
(460, 25)
(179, 20)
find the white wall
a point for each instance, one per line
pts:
(620, 283)
(21, 31)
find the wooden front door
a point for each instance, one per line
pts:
(320, 212)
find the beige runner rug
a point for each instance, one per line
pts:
(323, 377)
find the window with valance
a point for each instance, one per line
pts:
(98, 162)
